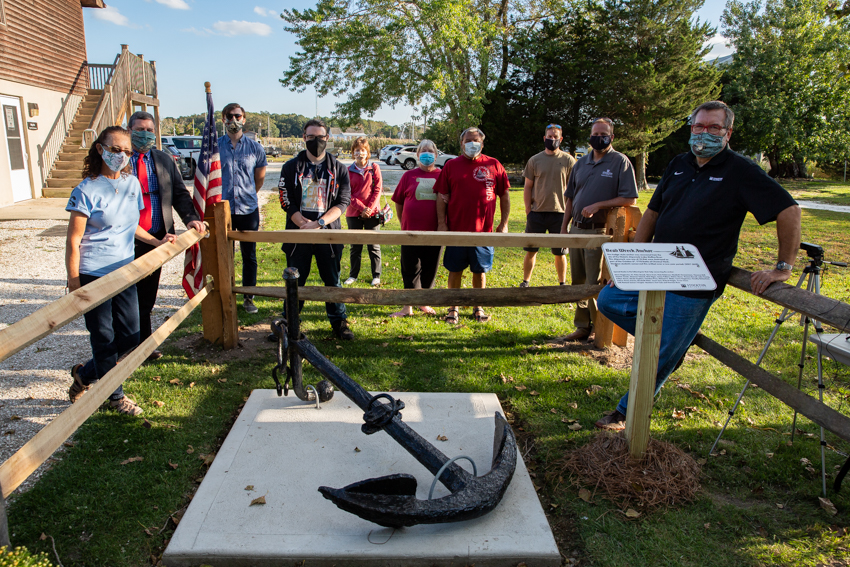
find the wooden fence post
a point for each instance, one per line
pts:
(644, 369)
(617, 225)
(226, 280)
(211, 305)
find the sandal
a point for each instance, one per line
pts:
(451, 317)
(479, 315)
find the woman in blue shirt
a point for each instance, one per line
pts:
(104, 222)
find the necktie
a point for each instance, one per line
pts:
(142, 174)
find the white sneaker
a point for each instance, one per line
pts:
(349, 281)
(376, 282)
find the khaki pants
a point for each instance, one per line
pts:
(585, 268)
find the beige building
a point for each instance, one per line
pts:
(50, 95)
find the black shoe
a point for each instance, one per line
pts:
(342, 331)
(155, 355)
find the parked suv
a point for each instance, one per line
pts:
(189, 147)
(185, 170)
(273, 151)
(386, 152)
(406, 157)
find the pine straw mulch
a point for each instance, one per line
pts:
(666, 477)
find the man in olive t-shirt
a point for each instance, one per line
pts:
(602, 179)
(546, 176)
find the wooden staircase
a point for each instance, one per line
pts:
(68, 169)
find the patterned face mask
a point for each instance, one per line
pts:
(706, 145)
(143, 140)
(116, 162)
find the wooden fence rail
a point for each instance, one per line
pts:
(64, 310)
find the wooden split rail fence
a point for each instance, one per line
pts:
(56, 315)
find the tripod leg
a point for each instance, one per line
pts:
(729, 418)
(812, 286)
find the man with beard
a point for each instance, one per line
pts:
(600, 180)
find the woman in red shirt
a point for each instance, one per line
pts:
(416, 205)
(362, 213)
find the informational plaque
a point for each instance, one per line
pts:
(657, 266)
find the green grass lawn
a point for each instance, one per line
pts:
(829, 192)
(758, 504)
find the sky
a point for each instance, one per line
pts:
(240, 47)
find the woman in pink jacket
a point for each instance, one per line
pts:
(362, 213)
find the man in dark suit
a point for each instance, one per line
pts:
(162, 188)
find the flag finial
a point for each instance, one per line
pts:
(207, 86)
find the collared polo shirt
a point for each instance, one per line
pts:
(153, 188)
(706, 206)
(237, 173)
(595, 181)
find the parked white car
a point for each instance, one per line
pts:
(385, 153)
(189, 147)
(406, 158)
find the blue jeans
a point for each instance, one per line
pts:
(251, 221)
(113, 331)
(682, 319)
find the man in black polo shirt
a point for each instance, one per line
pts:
(600, 180)
(702, 199)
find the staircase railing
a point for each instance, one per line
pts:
(131, 77)
(49, 150)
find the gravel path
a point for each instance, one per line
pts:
(35, 381)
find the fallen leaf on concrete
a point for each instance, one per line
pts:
(584, 494)
(258, 501)
(15, 418)
(249, 487)
(357, 449)
(131, 460)
(827, 505)
(442, 438)
(632, 513)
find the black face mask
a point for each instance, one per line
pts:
(316, 146)
(551, 144)
(599, 143)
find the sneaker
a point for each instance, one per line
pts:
(249, 306)
(349, 281)
(376, 282)
(126, 406)
(614, 422)
(77, 389)
(342, 331)
(524, 283)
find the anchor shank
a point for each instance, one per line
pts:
(454, 477)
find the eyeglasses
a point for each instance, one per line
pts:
(558, 126)
(715, 129)
(231, 116)
(118, 150)
(311, 138)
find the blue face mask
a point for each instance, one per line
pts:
(427, 158)
(142, 140)
(706, 145)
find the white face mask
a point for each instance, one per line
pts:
(472, 149)
(115, 162)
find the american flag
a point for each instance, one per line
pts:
(207, 192)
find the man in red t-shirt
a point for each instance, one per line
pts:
(468, 187)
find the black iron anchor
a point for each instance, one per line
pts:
(391, 500)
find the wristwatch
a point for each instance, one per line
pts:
(322, 225)
(784, 266)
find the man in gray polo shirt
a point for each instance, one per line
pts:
(600, 180)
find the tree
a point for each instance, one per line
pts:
(655, 72)
(441, 54)
(785, 83)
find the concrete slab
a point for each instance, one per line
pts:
(286, 449)
(36, 209)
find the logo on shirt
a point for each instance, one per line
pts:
(678, 172)
(425, 189)
(608, 173)
(482, 173)
(715, 179)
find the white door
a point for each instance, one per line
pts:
(13, 133)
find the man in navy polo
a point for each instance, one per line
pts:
(702, 200)
(243, 171)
